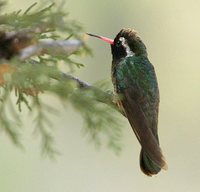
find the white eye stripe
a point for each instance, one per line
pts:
(123, 41)
(126, 46)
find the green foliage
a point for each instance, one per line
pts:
(100, 119)
(42, 75)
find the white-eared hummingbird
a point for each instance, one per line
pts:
(134, 78)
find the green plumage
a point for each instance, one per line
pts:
(137, 70)
(135, 80)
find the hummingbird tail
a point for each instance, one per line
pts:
(147, 166)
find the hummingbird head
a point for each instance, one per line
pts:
(126, 43)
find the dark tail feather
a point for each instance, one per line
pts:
(147, 166)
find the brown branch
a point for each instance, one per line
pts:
(106, 97)
(24, 45)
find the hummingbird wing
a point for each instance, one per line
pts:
(136, 82)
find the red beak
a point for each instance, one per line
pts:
(110, 41)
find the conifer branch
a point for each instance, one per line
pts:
(106, 97)
(32, 47)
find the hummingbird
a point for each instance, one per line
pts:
(134, 79)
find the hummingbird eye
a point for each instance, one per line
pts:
(119, 43)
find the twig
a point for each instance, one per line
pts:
(106, 97)
(51, 47)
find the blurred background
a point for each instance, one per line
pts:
(170, 30)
